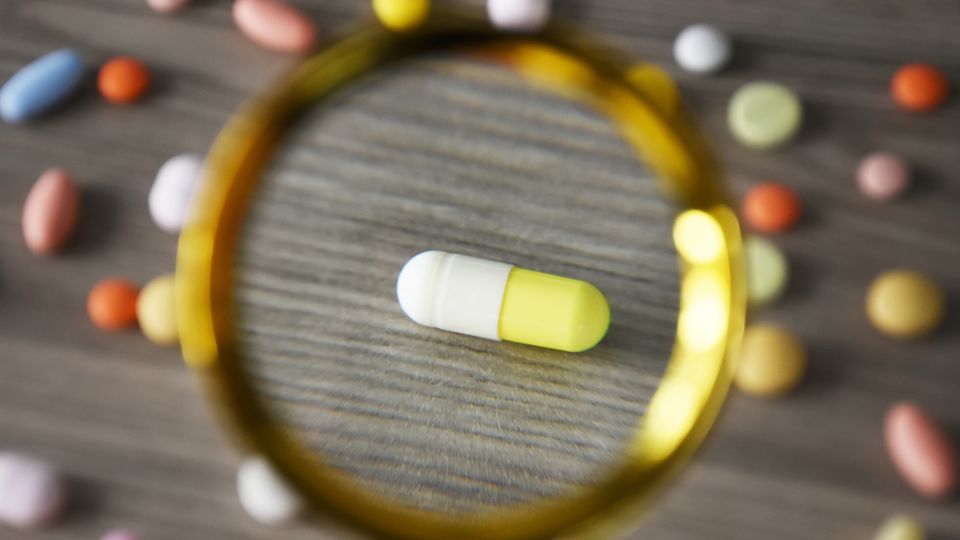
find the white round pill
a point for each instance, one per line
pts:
(264, 494)
(518, 15)
(702, 48)
(31, 492)
(172, 193)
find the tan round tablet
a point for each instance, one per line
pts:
(772, 361)
(905, 304)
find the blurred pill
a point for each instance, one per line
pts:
(883, 176)
(919, 87)
(156, 313)
(519, 15)
(702, 48)
(402, 15)
(764, 115)
(767, 271)
(41, 85)
(264, 494)
(167, 6)
(32, 493)
(771, 207)
(900, 528)
(275, 25)
(50, 212)
(173, 190)
(905, 304)
(123, 79)
(772, 361)
(921, 451)
(120, 535)
(112, 304)
(657, 85)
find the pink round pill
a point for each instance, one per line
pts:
(167, 6)
(883, 176)
(921, 451)
(31, 492)
(120, 535)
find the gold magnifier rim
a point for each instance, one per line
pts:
(560, 56)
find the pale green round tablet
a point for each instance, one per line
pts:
(763, 115)
(767, 271)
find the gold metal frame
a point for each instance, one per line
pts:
(643, 103)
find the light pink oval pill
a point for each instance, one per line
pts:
(883, 176)
(119, 535)
(275, 25)
(167, 6)
(920, 450)
(50, 212)
(31, 492)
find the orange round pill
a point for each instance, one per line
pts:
(123, 79)
(112, 304)
(919, 87)
(771, 207)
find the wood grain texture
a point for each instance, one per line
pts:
(126, 422)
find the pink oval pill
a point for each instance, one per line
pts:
(920, 450)
(31, 492)
(883, 176)
(119, 535)
(167, 6)
(275, 25)
(50, 212)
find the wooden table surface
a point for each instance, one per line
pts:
(125, 420)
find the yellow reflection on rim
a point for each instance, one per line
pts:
(566, 62)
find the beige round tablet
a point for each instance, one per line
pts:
(767, 271)
(905, 304)
(772, 361)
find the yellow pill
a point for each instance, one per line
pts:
(900, 528)
(155, 311)
(401, 15)
(499, 301)
(905, 304)
(772, 361)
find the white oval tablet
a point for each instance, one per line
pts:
(31, 492)
(702, 48)
(173, 190)
(264, 494)
(518, 15)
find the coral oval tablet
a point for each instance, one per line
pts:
(32, 493)
(498, 301)
(275, 25)
(50, 212)
(41, 85)
(173, 189)
(921, 451)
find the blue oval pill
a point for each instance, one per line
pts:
(41, 84)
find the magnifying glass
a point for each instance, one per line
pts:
(549, 152)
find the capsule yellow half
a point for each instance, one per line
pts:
(498, 301)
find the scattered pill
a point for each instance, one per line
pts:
(657, 85)
(275, 25)
(919, 87)
(900, 528)
(767, 271)
(123, 80)
(764, 115)
(112, 304)
(921, 451)
(401, 15)
(167, 6)
(519, 15)
(702, 48)
(905, 304)
(50, 212)
(120, 535)
(770, 207)
(156, 313)
(498, 301)
(883, 176)
(41, 85)
(173, 190)
(264, 494)
(772, 361)
(32, 493)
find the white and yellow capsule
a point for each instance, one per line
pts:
(499, 301)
